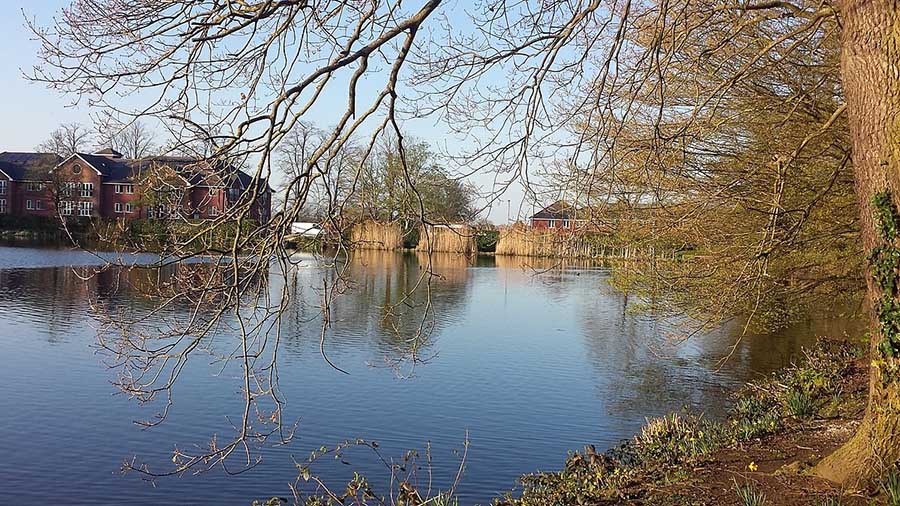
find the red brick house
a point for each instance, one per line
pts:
(106, 185)
(559, 214)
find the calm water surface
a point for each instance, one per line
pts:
(530, 365)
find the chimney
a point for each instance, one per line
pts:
(109, 153)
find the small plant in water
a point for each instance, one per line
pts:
(748, 495)
(891, 487)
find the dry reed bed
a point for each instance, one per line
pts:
(447, 239)
(550, 243)
(374, 235)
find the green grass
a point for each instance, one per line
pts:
(800, 404)
(891, 487)
(749, 496)
(832, 500)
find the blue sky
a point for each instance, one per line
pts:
(32, 111)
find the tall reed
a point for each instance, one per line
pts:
(561, 243)
(371, 234)
(447, 239)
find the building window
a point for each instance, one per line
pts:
(67, 208)
(87, 190)
(213, 211)
(76, 169)
(34, 186)
(69, 189)
(118, 207)
(129, 208)
(85, 208)
(3, 185)
(565, 223)
(2, 206)
(39, 205)
(29, 204)
(125, 188)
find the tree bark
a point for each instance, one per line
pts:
(870, 68)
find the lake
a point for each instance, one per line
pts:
(529, 360)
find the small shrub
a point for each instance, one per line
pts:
(891, 487)
(754, 414)
(678, 438)
(587, 478)
(486, 240)
(749, 496)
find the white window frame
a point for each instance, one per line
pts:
(29, 205)
(3, 208)
(69, 189)
(129, 208)
(118, 207)
(4, 186)
(213, 211)
(87, 190)
(39, 205)
(68, 208)
(85, 208)
(34, 186)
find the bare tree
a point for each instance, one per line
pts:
(133, 140)
(590, 83)
(67, 139)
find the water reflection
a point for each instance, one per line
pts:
(531, 358)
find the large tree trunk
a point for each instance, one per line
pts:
(870, 68)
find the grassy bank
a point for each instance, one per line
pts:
(776, 429)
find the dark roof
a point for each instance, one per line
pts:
(196, 171)
(559, 210)
(190, 169)
(28, 166)
(110, 152)
(112, 169)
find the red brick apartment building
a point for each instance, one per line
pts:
(106, 185)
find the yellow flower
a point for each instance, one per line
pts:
(752, 466)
